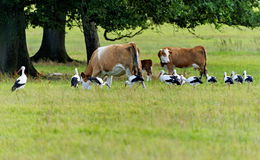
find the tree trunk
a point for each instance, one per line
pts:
(13, 47)
(53, 43)
(91, 37)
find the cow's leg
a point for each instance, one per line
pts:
(150, 73)
(170, 68)
(203, 70)
(149, 76)
(109, 81)
(128, 72)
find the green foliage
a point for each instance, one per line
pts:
(119, 15)
(116, 15)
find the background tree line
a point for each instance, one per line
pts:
(114, 16)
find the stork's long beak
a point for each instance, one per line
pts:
(19, 71)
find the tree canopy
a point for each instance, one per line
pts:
(117, 16)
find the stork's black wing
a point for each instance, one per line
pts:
(17, 85)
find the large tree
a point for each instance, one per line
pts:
(51, 15)
(13, 48)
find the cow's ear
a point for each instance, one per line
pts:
(83, 75)
(159, 53)
(170, 51)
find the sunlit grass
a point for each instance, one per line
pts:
(51, 120)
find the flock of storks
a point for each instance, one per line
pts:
(168, 79)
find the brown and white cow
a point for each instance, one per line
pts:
(113, 60)
(147, 66)
(195, 57)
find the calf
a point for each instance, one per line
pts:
(196, 57)
(147, 66)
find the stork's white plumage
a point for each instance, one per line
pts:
(236, 77)
(98, 81)
(175, 74)
(211, 79)
(247, 78)
(168, 79)
(75, 79)
(134, 79)
(227, 79)
(193, 80)
(21, 81)
(182, 79)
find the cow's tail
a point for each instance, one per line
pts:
(205, 65)
(135, 56)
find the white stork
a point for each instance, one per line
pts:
(211, 79)
(227, 79)
(247, 78)
(193, 80)
(236, 77)
(98, 81)
(134, 79)
(75, 79)
(168, 79)
(21, 81)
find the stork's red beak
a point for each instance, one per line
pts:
(19, 71)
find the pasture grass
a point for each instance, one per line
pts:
(51, 120)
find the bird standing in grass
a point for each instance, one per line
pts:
(175, 74)
(134, 79)
(193, 80)
(228, 80)
(75, 79)
(247, 78)
(168, 79)
(211, 79)
(21, 81)
(98, 81)
(236, 77)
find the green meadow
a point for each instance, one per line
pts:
(50, 120)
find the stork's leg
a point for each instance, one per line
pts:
(143, 84)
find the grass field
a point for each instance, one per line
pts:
(50, 120)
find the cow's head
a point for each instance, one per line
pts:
(84, 76)
(85, 80)
(164, 55)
